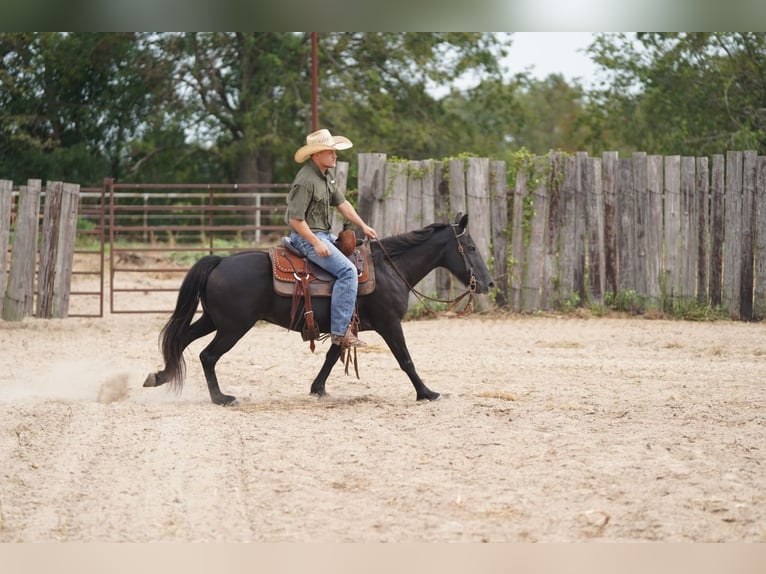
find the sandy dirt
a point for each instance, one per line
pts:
(549, 429)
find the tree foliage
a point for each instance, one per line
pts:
(233, 107)
(71, 104)
(684, 93)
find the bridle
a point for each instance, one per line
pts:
(423, 298)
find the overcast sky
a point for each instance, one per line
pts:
(545, 53)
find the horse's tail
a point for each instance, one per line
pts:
(173, 336)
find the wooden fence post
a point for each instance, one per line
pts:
(478, 208)
(414, 218)
(568, 253)
(20, 292)
(641, 221)
(456, 187)
(688, 247)
(499, 201)
(442, 214)
(581, 229)
(717, 178)
(672, 231)
(6, 198)
(516, 267)
(372, 186)
(70, 201)
(703, 241)
(749, 177)
(49, 245)
(595, 206)
(609, 188)
(395, 205)
(653, 230)
(626, 240)
(759, 291)
(732, 241)
(534, 253)
(552, 238)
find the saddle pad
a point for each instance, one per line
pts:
(286, 265)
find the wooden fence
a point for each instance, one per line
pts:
(654, 230)
(50, 262)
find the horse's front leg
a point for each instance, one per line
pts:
(394, 338)
(332, 356)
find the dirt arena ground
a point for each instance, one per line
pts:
(549, 429)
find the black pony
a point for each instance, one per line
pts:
(237, 291)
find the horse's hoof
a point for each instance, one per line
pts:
(226, 401)
(432, 396)
(151, 380)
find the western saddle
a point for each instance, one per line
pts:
(297, 277)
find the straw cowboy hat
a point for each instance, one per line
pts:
(319, 141)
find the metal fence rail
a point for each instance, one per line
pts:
(157, 231)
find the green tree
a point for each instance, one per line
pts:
(243, 93)
(71, 103)
(684, 93)
(249, 94)
(378, 88)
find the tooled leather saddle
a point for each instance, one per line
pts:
(297, 277)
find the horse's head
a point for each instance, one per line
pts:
(465, 262)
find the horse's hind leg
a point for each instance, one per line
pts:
(220, 345)
(332, 356)
(201, 327)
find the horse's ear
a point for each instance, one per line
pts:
(462, 220)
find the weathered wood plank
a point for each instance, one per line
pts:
(517, 264)
(703, 241)
(499, 209)
(457, 199)
(414, 212)
(442, 215)
(581, 227)
(653, 230)
(19, 296)
(640, 221)
(477, 206)
(552, 242)
(717, 186)
(48, 248)
(428, 193)
(62, 283)
(626, 240)
(6, 197)
(749, 176)
(732, 241)
(688, 237)
(609, 187)
(530, 292)
(595, 218)
(372, 186)
(672, 275)
(759, 289)
(395, 204)
(567, 254)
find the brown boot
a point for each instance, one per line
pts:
(347, 340)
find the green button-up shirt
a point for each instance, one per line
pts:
(311, 196)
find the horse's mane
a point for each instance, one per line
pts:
(397, 244)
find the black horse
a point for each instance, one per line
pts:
(237, 291)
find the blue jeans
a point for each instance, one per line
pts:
(346, 278)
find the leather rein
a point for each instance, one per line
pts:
(423, 298)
